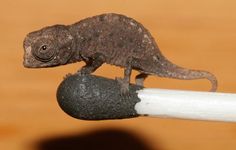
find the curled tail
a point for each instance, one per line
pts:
(171, 70)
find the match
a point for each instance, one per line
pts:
(90, 97)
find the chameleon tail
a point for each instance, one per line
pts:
(171, 70)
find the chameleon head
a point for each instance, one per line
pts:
(48, 47)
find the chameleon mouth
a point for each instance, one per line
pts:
(27, 64)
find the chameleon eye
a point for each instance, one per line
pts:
(44, 52)
(44, 47)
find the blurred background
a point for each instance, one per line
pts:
(194, 34)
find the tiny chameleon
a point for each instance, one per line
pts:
(109, 38)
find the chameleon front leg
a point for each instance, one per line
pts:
(92, 64)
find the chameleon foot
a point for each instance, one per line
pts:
(124, 88)
(77, 73)
(67, 75)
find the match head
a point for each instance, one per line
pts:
(91, 97)
(48, 47)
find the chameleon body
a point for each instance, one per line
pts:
(108, 38)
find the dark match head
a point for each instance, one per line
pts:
(50, 46)
(91, 97)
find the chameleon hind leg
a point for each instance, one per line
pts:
(139, 79)
(124, 82)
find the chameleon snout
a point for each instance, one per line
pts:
(27, 53)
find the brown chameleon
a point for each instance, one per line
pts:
(108, 38)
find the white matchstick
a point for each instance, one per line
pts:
(187, 104)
